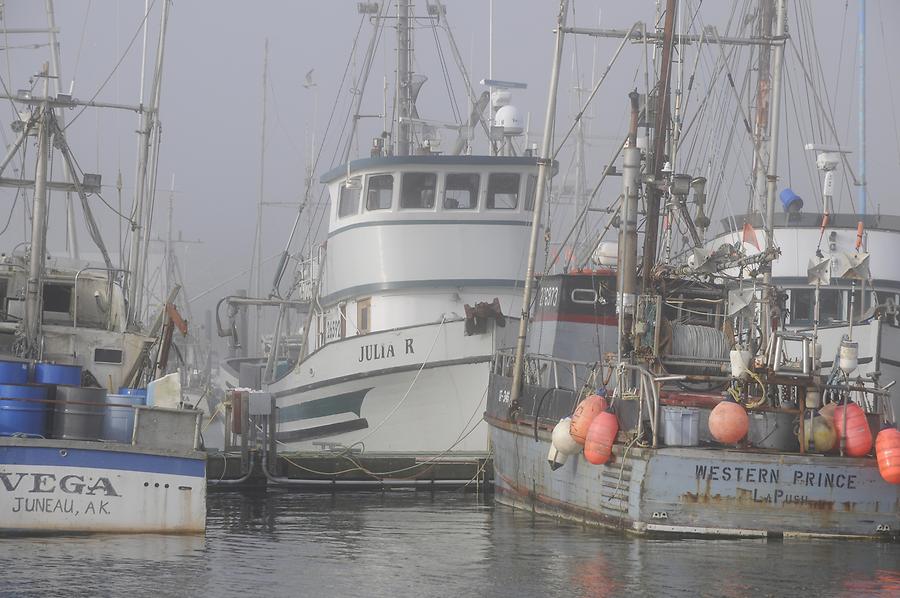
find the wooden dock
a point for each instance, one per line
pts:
(352, 471)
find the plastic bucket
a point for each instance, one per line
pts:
(18, 414)
(133, 392)
(13, 372)
(681, 426)
(78, 413)
(54, 373)
(118, 420)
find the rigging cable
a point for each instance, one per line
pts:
(118, 64)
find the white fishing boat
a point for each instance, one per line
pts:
(411, 293)
(80, 451)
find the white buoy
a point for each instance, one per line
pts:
(606, 254)
(562, 444)
(848, 356)
(740, 359)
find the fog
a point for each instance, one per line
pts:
(212, 105)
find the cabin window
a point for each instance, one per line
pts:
(57, 297)
(4, 289)
(348, 204)
(503, 191)
(585, 296)
(107, 356)
(831, 306)
(380, 192)
(363, 316)
(530, 189)
(417, 190)
(321, 329)
(862, 301)
(461, 191)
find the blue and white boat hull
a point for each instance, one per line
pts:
(61, 486)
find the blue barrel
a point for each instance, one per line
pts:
(133, 392)
(18, 416)
(118, 419)
(13, 372)
(54, 373)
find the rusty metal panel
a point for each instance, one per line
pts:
(704, 491)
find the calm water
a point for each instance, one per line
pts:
(422, 544)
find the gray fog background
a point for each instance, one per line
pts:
(211, 106)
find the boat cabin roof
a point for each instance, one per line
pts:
(885, 222)
(434, 161)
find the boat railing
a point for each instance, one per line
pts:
(306, 276)
(648, 394)
(544, 370)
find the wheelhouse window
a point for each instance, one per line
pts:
(862, 302)
(503, 191)
(57, 297)
(348, 203)
(530, 189)
(380, 192)
(417, 190)
(4, 285)
(831, 306)
(363, 316)
(461, 191)
(107, 356)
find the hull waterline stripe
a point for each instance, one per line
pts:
(99, 459)
(322, 431)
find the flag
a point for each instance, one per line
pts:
(748, 235)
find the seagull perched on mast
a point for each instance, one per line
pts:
(309, 80)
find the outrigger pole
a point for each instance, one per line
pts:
(658, 158)
(545, 162)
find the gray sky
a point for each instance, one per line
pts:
(212, 99)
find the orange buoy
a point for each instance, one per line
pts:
(857, 436)
(887, 451)
(600, 438)
(584, 414)
(728, 422)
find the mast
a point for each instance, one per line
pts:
(140, 174)
(659, 144)
(763, 88)
(545, 163)
(170, 254)
(863, 198)
(772, 169)
(34, 286)
(256, 266)
(404, 72)
(153, 141)
(71, 235)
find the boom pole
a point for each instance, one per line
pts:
(545, 163)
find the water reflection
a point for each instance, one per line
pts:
(423, 544)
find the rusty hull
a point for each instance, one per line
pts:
(697, 491)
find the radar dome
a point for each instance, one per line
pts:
(509, 118)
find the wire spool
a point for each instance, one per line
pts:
(696, 350)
